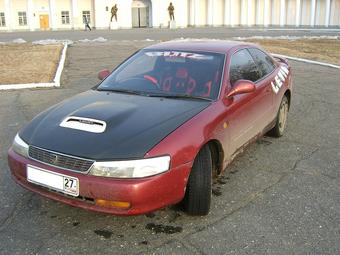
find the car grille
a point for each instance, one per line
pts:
(60, 160)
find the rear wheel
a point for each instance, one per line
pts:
(281, 119)
(198, 192)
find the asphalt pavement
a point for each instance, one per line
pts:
(281, 196)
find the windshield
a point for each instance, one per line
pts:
(169, 73)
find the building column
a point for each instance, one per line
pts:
(30, 14)
(312, 13)
(156, 6)
(197, 12)
(75, 14)
(266, 11)
(191, 12)
(298, 13)
(243, 12)
(226, 12)
(282, 13)
(228, 15)
(53, 23)
(257, 12)
(249, 12)
(210, 16)
(328, 12)
(184, 22)
(95, 17)
(233, 13)
(8, 16)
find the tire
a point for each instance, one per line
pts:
(281, 119)
(198, 192)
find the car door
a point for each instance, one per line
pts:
(244, 109)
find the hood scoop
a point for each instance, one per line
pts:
(84, 124)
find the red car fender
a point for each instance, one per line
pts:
(184, 143)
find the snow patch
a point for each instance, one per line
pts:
(19, 40)
(85, 40)
(195, 39)
(99, 39)
(52, 41)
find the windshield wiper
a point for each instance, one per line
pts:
(126, 91)
(180, 96)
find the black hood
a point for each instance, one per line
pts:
(135, 124)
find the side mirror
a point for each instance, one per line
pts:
(241, 87)
(103, 74)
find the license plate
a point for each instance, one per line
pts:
(59, 182)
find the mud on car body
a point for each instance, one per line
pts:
(156, 130)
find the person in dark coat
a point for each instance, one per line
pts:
(87, 25)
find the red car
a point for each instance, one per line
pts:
(156, 130)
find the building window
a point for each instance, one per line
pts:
(22, 18)
(65, 17)
(2, 19)
(87, 16)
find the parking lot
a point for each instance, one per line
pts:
(282, 196)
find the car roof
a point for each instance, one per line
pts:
(218, 46)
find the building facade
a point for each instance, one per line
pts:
(70, 14)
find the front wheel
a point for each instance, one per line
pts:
(281, 118)
(198, 192)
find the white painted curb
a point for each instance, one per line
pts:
(60, 66)
(56, 80)
(307, 61)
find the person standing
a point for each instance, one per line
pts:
(87, 24)
(171, 10)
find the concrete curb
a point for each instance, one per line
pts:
(308, 61)
(56, 80)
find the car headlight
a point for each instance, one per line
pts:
(131, 168)
(20, 147)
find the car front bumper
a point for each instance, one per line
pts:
(143, 194)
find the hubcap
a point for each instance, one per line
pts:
(283, 116)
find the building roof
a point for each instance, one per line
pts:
(218, 46)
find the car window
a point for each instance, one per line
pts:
(242, 67)
(264, 62)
